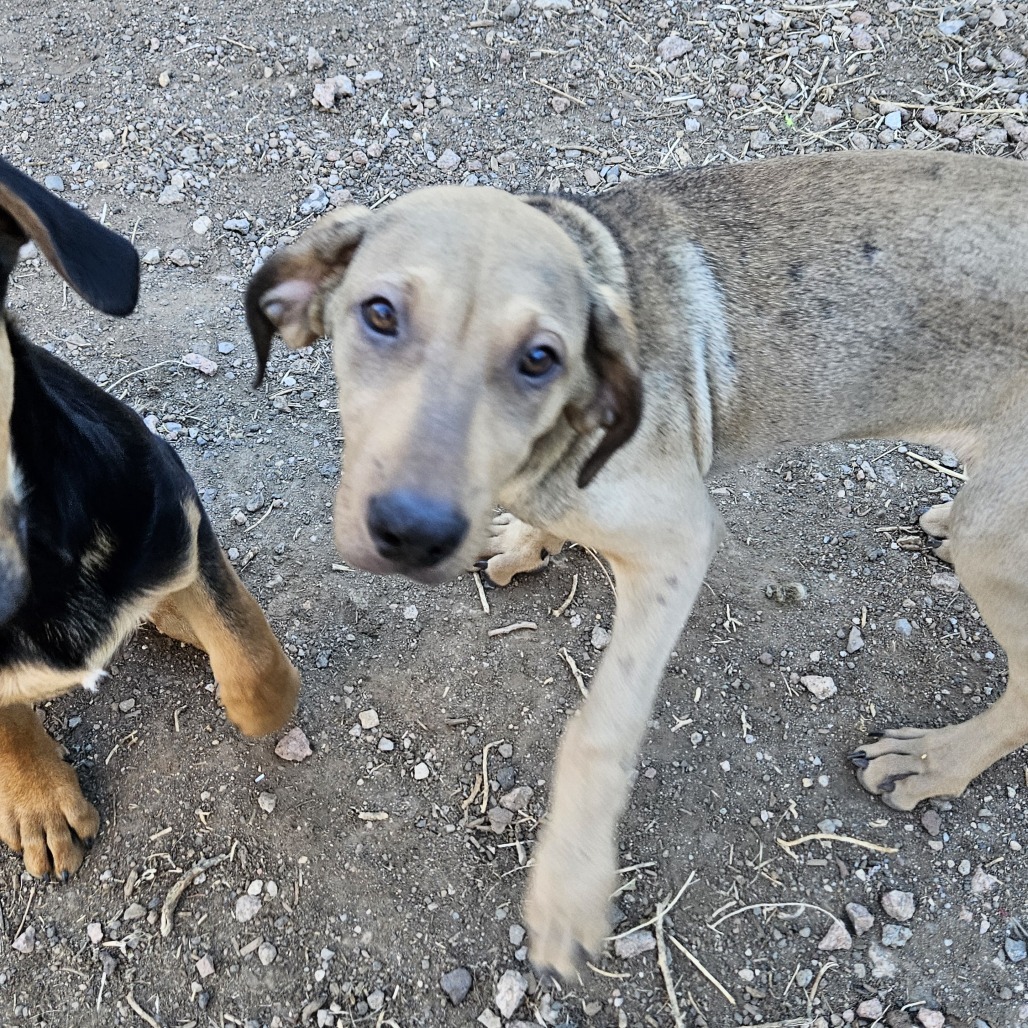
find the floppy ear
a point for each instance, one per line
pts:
(101, 266)
(286, 294)
(612, 346)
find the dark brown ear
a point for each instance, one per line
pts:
(101, 266)
(286, 294)
(612, 346)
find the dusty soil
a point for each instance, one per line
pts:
(378, 868)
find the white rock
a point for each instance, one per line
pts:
(447, 160)
(898, 905)
(634, 944)
(26, 942)
(247, 908)
(510, 991)
(368, 718)
(421, 771)
(255, 888)
(152, 256)
(202, 225)
(266, 953)
(266, 801)
(314, 60)
(836, 938)
(821, 687)
(95, 933)
(293, 746)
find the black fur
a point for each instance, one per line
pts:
(89, 467)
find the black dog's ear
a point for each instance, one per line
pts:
(286, 294)
(612, 346)
(101, 266)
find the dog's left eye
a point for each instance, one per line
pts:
(538, 362)
(380, 316)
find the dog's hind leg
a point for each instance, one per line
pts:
(43, 814)
(990, 555)
(659, 568)
(516, 548)
(257, 684)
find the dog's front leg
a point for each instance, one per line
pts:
(575, 867)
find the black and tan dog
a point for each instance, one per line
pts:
(100, 527)
(587, 361)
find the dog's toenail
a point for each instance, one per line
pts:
(890, 783)
(544, 554)
(874, 733)
(481, 565)
(859, 759)
(64, 877)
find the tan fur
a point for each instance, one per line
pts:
(762, 305)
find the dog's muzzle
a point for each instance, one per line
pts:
(415, 531)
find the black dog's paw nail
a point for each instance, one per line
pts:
(546, 975)
(890, 783)
(875, 733)
(859, 759)
(64, 877)
(481, 565)
(544, 554)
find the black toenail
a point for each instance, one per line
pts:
(481, 565)
(890, 783)
(874, 733)
(64, 877)
(544, 553)
(859, 759)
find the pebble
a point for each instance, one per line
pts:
(896, 935)
(247, 908)
(266, 801)
(898, 905)
(634, 944)
(376, 1000)
(894, 120)
(982, 882)
(133, 912)
(673, 47)
(487, 1019)
(517, 799)
(836, 938)
(202, 225)
(855, 641)
(240, 225)
(386, 745)
(152, 257)
(205, 966)
(1016, 950)
(164, 80)
(824, 117)
(316, 203)
(931, 821)
(368, 718)
(870, 1009)
(945, 582)
(903, 626)
(26, 942)
(510, 991)
(179, 257)
(421, 771)
(516, 934)
(456, 984)
(821, 687)
(293, 746)
(882, 964)
(266, 953)
(861, 918)
(931, 1018)
(447, 160)
(95, 933)
(315, 62)
(54, 183)
(255, 888)
(600, 638)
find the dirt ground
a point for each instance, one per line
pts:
(378, 865)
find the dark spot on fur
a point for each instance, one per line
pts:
(671, 580)
(870, 251)
(731, 358)
(795, 271)
(661, 600)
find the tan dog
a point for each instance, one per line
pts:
(100, 527)
(490, 349)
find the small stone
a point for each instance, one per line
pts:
(894, 120)
(896, 935)
(266, 953)
(54, 183)
(824, 117)
(293, 746)
(931, 1018)
(1016, 950)
(238, 225)
(861, 39)
(982, 882)
(673, 47)
(511, 12)
(368, 718)
(860, 917)
(376, 1000)
(855, 642)
(517, 799)
(247, 908)
(152, 257)
(266, 801)
(898, 905)
(821, 687)
(456, 984)
(226, 347)
(882, 964)
(202, 225)
(600, 638)
(510, 991)
(95, 933)
(870, 1009)
(315, 62)
(945, 582)
(179, 257)
(126, 705)
(26, 942)
(205, 966)
(447, 160)
(386, 745)
(634, 944)
(255, 888)
(421, 771)
(903, 626)
(499, 819)
(316, 203)
(133, 912)
(516, 934)
(931, 822)
(164, 80)
(488, 1019)
(836, 938)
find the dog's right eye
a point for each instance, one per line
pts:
(380, 316)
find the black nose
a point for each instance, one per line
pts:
(414, 530)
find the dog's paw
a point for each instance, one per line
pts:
(514, 548)
(566, 912)
(907, 765)
(43, 814)
(935, 522)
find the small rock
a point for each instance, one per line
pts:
(870, 1009)
(315, 62)
(821, 687)
(499, 819)
(368, 718)
(202, 225)
(516, 934)
(931, 821)
(882, 964)
(634, 944)
(152, 257)
(510, 991)
(266, 801)
(894, 120)
(410, 613)
(600, 638)
(26, 942)
(202, 364)
(448, 160)
(824, 117)
(488, 1019)
(896, 935)
(238, 225)
(673, 47)
(95, 933)
(247, 908)
(164, 80)
(293, 746)
(255, 888)
(898, 905)
(179, 257)
(903, 626)
(133, 912)
(316, 203)
(205, 966)
(376, 1000)
(860, 917)
(456, 984)
(226, 347)
(386, 745)
(1016, 950)
(266, 953)
(517, 799)
(421, 771)
(861, 39)
(836, 938)
(945, 582)
(511, 12)
(855, 642)
(982, 882)
(931, 1018)
(54, 183)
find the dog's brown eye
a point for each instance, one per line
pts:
(380, 316)
(538, 362)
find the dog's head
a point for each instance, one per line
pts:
(98, 264)
(468, 328)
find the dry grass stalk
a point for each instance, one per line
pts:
(518, 626)
(568, 600)
(175, 892)
(570, 661)
(665, 968)
(789, 844)
(703, 971)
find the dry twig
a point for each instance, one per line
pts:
(789, 844)
(175, 892)
(703, 971)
